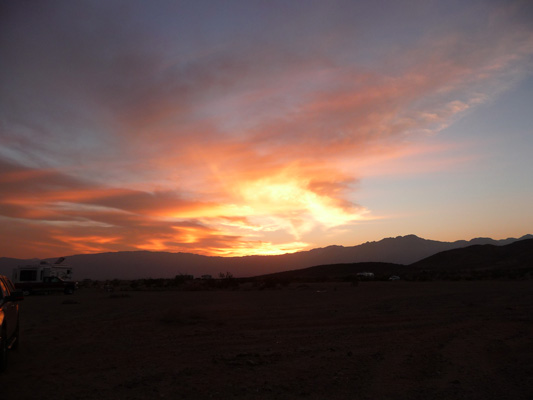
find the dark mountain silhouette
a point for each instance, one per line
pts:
(144, 264)
(481, 261)
(337, 271)
(481, 257)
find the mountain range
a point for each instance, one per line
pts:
(480, 261)
(403, 250)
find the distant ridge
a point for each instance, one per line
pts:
(143, 264)
(514, 260)
(335, 271)
(481, 257)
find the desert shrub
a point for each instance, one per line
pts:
(225, 281)
(181, 279)
(151, 282)
(88, 283)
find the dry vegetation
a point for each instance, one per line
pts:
(377, 340)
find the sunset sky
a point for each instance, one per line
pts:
(262, 127)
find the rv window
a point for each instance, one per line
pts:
(28, 275)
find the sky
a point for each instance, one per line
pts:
(262, 127)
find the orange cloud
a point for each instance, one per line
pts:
(86, 244)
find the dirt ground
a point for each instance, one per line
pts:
(379, 340)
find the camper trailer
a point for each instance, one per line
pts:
(44, 276)
(37, 272)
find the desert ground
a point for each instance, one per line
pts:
(377, 340)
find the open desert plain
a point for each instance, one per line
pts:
(375, 340)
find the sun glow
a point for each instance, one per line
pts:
(286, 204)
(293, 199)
(263, 249)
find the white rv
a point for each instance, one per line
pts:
(365, 275)
(38, 272)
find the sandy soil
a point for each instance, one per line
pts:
(380, 340)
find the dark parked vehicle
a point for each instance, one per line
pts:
(9, 318)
